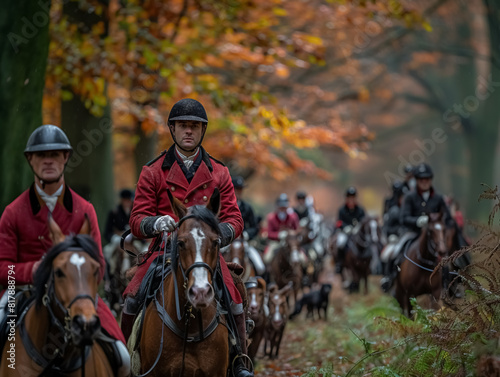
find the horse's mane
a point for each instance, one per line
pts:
(203, 214)
(74, 242)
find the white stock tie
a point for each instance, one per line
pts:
(50, 200)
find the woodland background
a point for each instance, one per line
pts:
(313, 95)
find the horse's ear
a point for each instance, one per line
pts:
(272, 288)
(435, 217)
(261, 283)
(286, 289)
(56, 234)
(179, 209)
(85, 229)
(214, 203)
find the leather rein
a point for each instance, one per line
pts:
(188, 308)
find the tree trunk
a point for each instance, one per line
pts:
(24, 47)
(90, 169)
(484, 141)
(145, 150)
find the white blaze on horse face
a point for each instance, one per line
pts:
(295, 256)
(199, 273)
(277, 314)
(77, 261)
(236, 260)
(438, 227)
(253, 300)
(373, 227)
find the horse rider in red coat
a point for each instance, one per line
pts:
(282, 219)
(191, 175)
(24, 232)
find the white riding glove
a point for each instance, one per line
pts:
(422, 221)
(164, 224)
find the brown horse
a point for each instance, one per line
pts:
(277, 319)
(58, 334)
(422, 256)
(286, 265)
(256, 292)
(181, 334)
(362, 248)
(237, 254)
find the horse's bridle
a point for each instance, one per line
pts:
(188, 308)
(64, 328)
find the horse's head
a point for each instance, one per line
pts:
(370, 229)
(291, 245)
(66, 283)
(197, 247)
(436, 235)
(278, 306)
(256, 292)
(237, 251)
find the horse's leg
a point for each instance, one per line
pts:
(280, 336)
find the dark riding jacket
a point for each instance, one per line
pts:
(350, 216)
(117, 222)
(250, 224)
(392, 226)
(415, 206)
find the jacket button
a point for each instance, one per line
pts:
(205, 198)
(423, 204)
(172, 188)
(40, 237)
(186, 201)
(205, 186)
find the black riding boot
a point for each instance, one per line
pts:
(128, 316)
(339, 263)
(239, 367)
(388, 279)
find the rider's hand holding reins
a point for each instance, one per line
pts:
(165, 224)
(422, 221)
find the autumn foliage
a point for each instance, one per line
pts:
(143, 56)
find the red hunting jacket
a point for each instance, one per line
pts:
(151, 199)
(24, 238)
(275, 225)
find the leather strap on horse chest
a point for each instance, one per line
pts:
(169, 322)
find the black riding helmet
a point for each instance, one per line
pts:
(351, 191)
(187, 109)
(300, 195)
(238, 182)
(282, 200)
(48, 138)
(423, 171)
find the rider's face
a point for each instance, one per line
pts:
(48, 165)
(350, 201)
(424, 184)
(188, 134)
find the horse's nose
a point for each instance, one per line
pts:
(201, 294)
(83, 330)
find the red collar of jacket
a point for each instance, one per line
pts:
(35, 201)
(170, 158)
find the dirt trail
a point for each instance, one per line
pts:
(301, 347)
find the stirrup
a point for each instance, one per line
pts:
(242, 356)
(250, 325)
